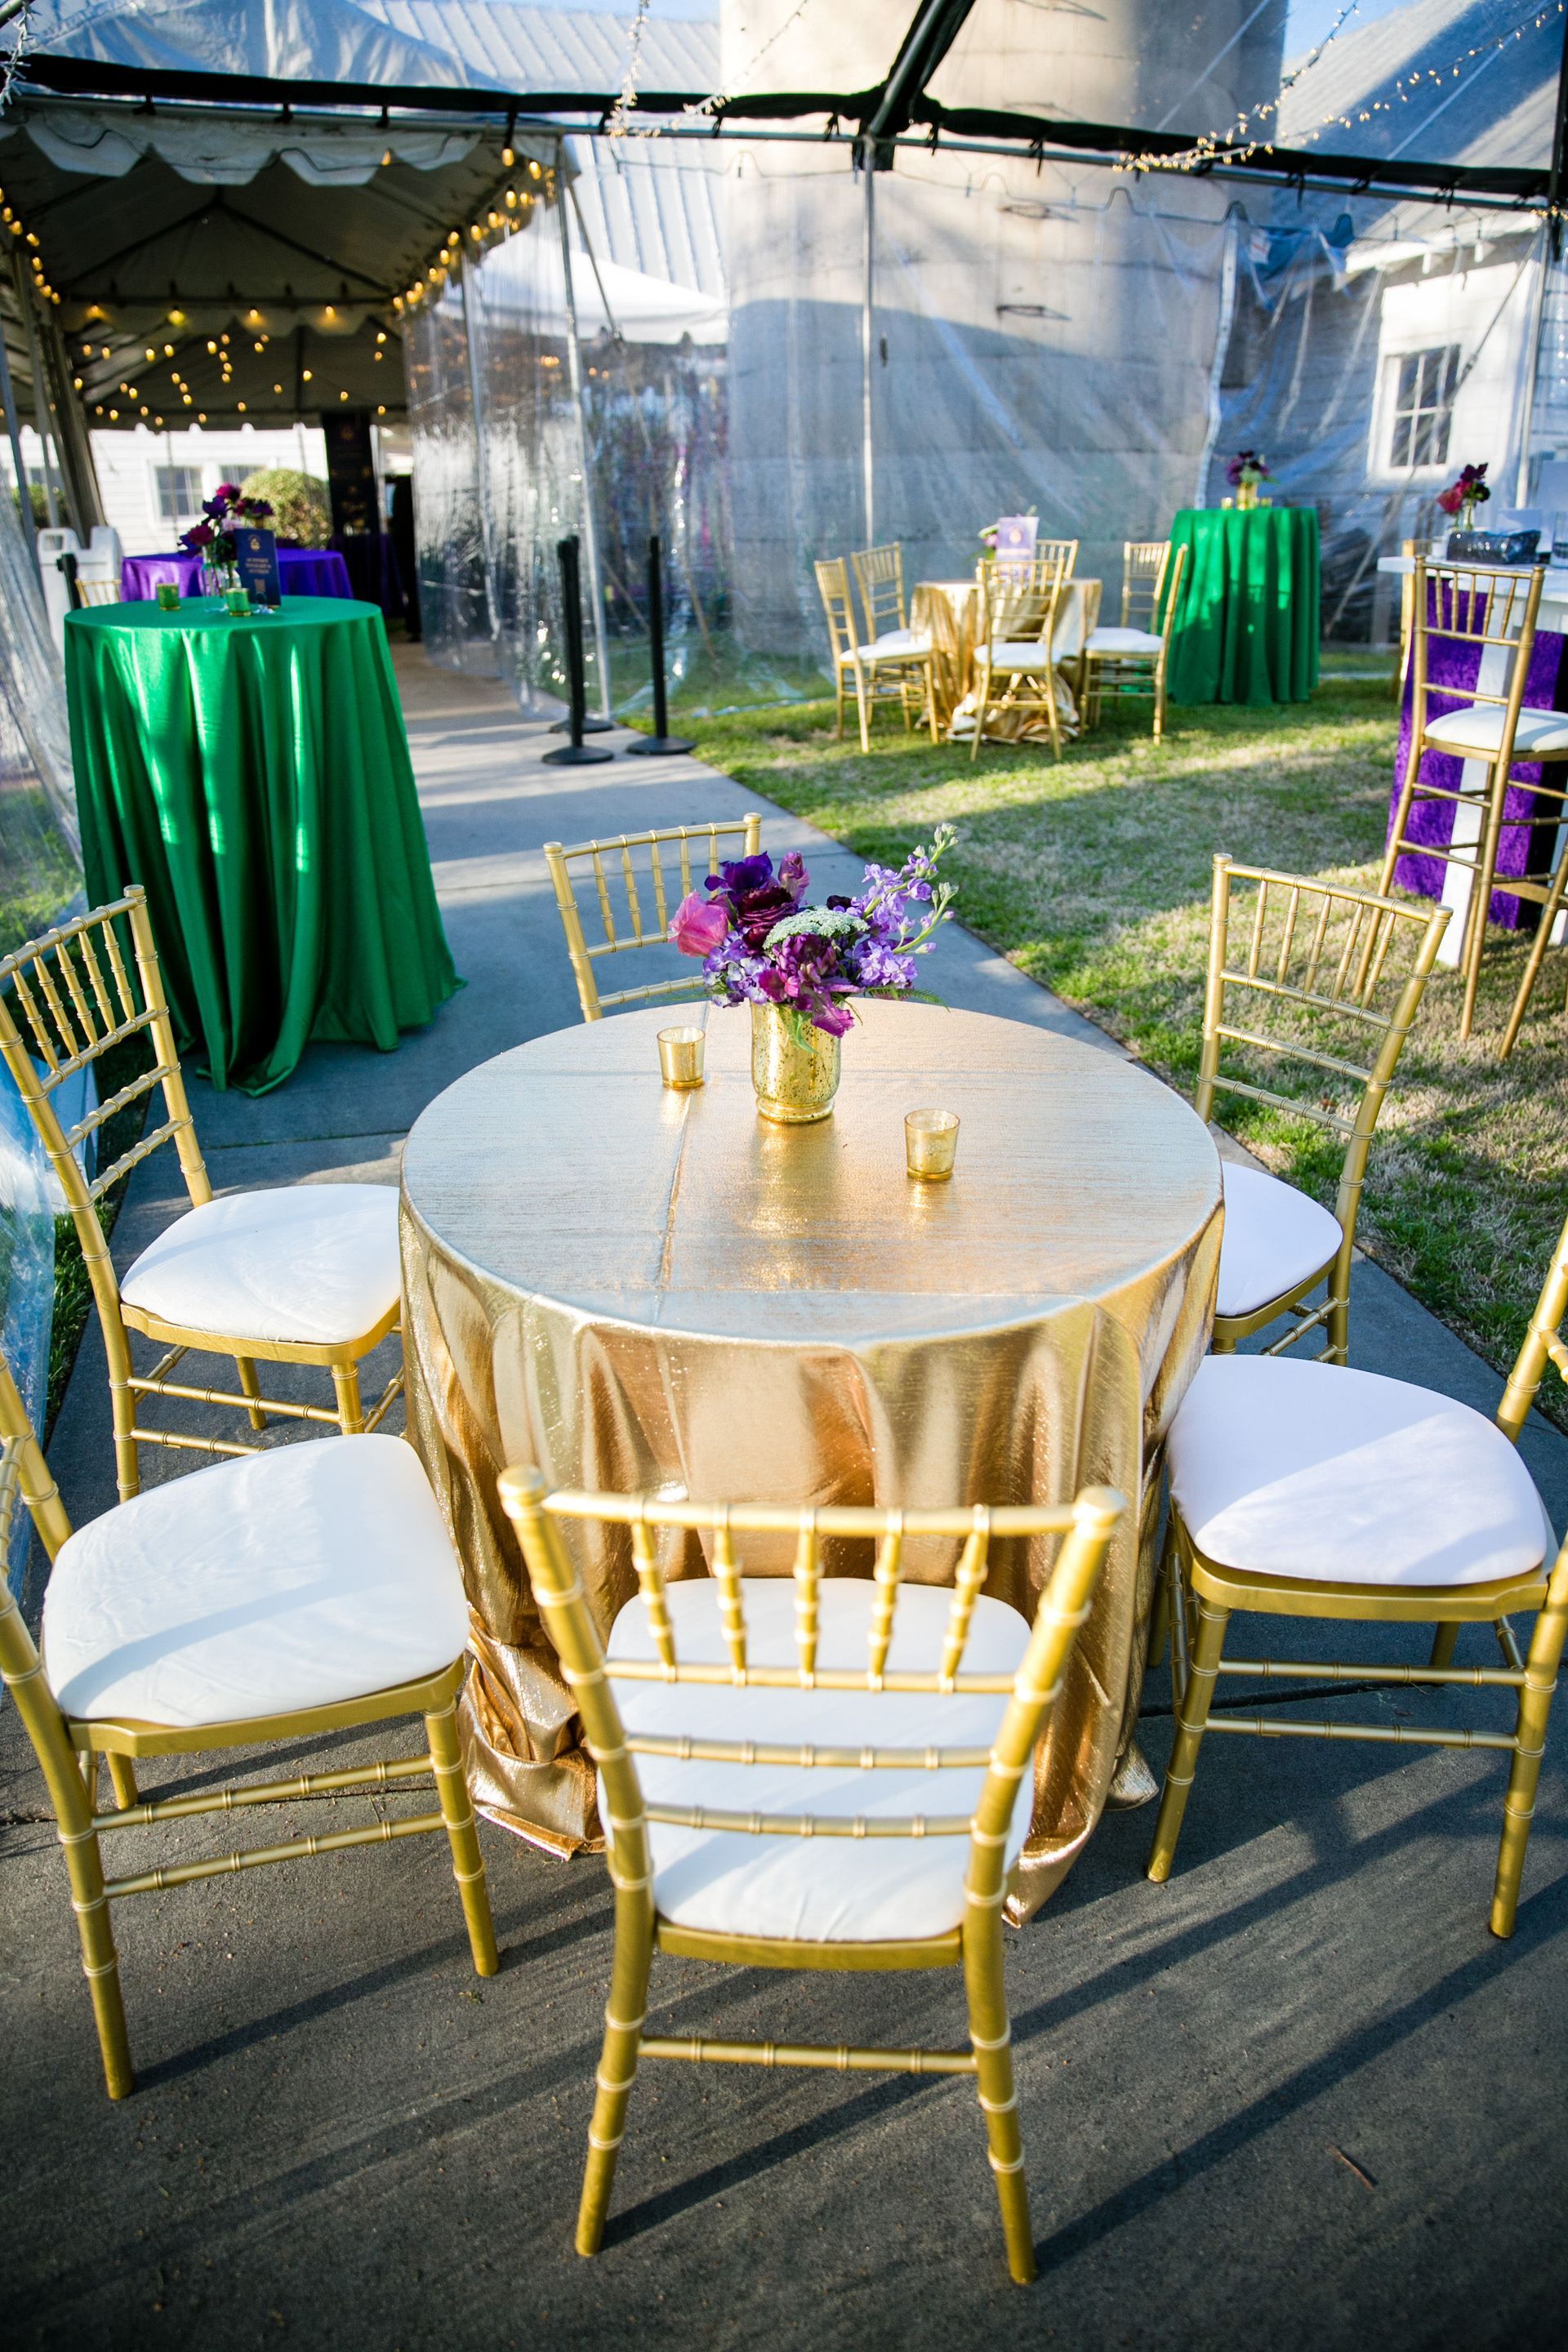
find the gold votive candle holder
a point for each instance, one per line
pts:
(168, 594)
(680, 1056)
(930, 1144)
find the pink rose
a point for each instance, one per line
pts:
(698, 927)
(1451, 500)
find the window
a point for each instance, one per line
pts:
(1424, 389)
(179, 493)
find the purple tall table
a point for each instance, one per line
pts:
(1456, 671)
(301, 572)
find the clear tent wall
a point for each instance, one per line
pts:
(1093, 347)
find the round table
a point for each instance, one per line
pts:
(254, 775)
(948, 612)
(1249, 623)
(639, 1290)
(301, 572)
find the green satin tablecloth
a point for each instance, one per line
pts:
(254, 775)
(1248, 628)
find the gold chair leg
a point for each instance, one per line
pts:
(468, 1860)
(1530, 1737)
(99, 1962)
(1338, 1348)
(1443, 1642)
(863, 689)
(931, 699)
(1191, 1715)
(1394, 848)
(122, 1780)
(251, 1387)
(350, 1410)
(839, 703)
(623, 2018)
(1221, 1343)
(980, 708)
(1475, 945)
(1159, 706)
(1160, 1613)
(991, 2033)
(1537, 947)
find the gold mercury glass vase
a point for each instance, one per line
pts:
(794, 1067)
(1246, 494)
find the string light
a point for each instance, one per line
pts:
(1240, 142)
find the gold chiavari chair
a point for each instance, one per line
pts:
(897, 666)
(768, 1748)
(1019, 601)
(301, 1592)
(617, 867)
(1131, 659)
(301, 1273)
(1303, 1490)
(1495, 612)
(1310, 962)
(1054, 550)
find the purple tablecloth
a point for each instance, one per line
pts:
(373, 568)
(301, 572)
(1454, 667)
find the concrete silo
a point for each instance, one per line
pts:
(1041, 336)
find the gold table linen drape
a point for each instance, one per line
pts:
(655, 1291)
(948, 612)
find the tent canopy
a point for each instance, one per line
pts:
(950, 70)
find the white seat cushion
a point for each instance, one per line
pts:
(1123, 641)
(309, 1261)
(1479, 728)
(1025, 654)
(824, 1889)
(291, 1578)
(894, 642)
(1274, 1238)
(1309, 1470)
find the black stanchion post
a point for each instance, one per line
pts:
(576, 753)
(582, 725)
(660, 740)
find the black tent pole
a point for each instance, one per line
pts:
(576, 753)
(661, 739)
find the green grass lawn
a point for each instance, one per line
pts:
(1092, 876)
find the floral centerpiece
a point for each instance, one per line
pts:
(212, 537)
(1463, 496)
(1244, 473)
(799, 966)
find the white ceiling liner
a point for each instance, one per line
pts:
(228, 150)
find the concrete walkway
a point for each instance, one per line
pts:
(1299, 2095)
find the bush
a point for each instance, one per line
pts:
(40, 503)
(301, 511)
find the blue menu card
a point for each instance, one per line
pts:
(256, 552)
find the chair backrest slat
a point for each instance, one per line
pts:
(1316, 956)
(833, 587)
(880, 571)
(1085, 1528)
(1143, 567)
(1019, 598)
(628, 863)
(69, 1022)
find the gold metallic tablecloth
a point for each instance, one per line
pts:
(642, 1290)
(948, 612)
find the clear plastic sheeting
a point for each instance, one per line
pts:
(1371, 353)
(27, 1280)
(40, 864)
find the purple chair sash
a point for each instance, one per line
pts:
(1453, 667)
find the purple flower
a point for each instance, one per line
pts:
(228, 492)
(699, 926)
(757, 896)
